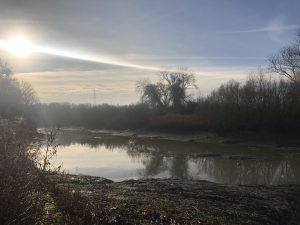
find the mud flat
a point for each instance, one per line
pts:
(171, 201)
(252, 139)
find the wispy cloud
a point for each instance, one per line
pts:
(269, 28)
(274, 25)
(116, 86)
(160, 57)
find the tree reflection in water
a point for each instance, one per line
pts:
(182, 160)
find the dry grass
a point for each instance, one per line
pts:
(21, 190)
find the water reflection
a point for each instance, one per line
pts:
(120, 158)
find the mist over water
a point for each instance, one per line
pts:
(121, 158)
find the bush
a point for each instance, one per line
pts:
(20, 186)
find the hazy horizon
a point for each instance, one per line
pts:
(217, 43)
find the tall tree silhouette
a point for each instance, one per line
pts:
(171, 90)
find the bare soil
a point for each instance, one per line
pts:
(170, 201)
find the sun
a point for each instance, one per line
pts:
(19, 46)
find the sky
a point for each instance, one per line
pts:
(217, 39)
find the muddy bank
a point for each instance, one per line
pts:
(252, 139)
(169, 201)
(249, 139)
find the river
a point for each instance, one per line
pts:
(119, 158)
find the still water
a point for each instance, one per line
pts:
(121, 158)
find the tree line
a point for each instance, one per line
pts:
(259, 104)
(269, 100)
(262, 103)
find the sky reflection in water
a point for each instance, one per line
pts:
(121, 158)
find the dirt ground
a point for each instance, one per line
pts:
(169, 201)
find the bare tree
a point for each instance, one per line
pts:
(29, 95)
(287, 62)
(155, 95)
(17, 99)
(177, 84)
(170, 91)
(5, 69)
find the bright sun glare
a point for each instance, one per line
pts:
(19, 46)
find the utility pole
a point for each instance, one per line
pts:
(95, 97)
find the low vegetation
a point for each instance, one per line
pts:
(21, 199)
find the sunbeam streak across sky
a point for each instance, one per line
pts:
(20, 47)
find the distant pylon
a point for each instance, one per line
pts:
(95, 97)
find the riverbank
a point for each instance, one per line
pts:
(171, 201)
(250, 138)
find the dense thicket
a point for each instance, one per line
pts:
(101, 116)
(260, 104)
(17, 99)
(21, 190)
